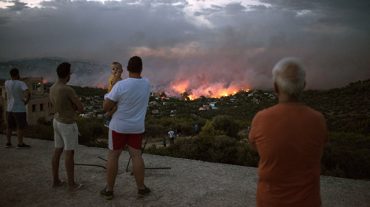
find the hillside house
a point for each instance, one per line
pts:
(205, 107)
(153, 103)
(155, 112)
(213, 105)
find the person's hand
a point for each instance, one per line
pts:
(74, 107)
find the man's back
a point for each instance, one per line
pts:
(289, 138)
(131, 96)
(14, 90)
(60, 96)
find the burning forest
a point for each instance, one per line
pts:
(212, 90)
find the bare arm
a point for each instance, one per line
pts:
(76, 101)
(108, 105)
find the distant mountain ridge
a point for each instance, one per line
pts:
(85, 73)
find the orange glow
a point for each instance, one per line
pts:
(213, 90)
(181, 86)
(101, 85)
(44, 81)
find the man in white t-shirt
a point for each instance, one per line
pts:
(18, 96)
(131, 96)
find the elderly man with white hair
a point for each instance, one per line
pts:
(289, 138)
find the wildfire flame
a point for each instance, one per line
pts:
(181, 86)
(213, 90)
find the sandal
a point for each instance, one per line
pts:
(144, 191)
(107, 194)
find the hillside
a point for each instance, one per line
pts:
(346, 109)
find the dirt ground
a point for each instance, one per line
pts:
(25, 180)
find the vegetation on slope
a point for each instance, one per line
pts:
(223, 131)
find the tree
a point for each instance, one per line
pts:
(221, 125)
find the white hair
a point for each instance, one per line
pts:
(289, 76)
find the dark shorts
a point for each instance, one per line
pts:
(16, 120)
(118, 141)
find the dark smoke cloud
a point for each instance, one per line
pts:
(231, 44)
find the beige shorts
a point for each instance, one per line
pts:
(65, 135)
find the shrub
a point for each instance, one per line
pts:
(219, 148)
(160, 126)
(155, 130)
(40, 131)
(90, 130)
(347, 155)
(209, 130)
(221, 125)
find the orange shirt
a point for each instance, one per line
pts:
(289, 138)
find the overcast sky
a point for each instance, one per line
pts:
(205, 42)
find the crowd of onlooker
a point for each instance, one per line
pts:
(289, 136)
